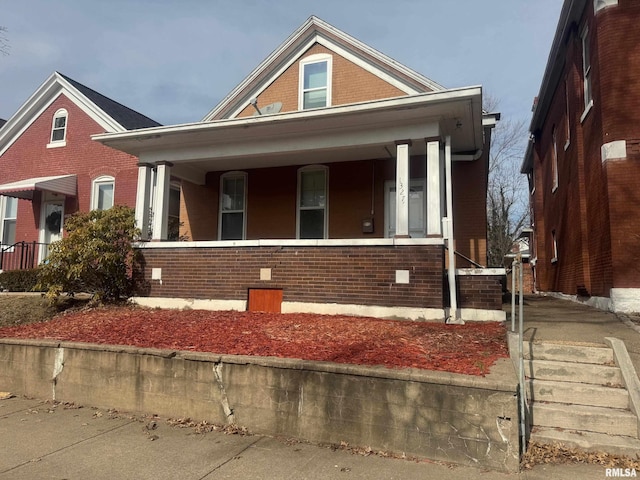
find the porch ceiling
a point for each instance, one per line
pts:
(334, 134)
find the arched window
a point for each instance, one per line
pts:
(59, 129)
(102, 193)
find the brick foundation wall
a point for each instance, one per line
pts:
(362, 275)
(483, 292)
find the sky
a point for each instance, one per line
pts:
(175, 60)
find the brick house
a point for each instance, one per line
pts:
(50, 167)
(583, 161)
(327, 181)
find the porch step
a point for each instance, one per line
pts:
(588, 441)
(569, 353)
(585, 418)
(574, 372)
(577, 393)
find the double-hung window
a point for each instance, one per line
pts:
(59, 129)
(312, 202)
(102, 193)
(233, 189)
(315, 82)
(8, 215)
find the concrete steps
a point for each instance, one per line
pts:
(586, 418)
(577, 396)
(577, 393)
(588, 441)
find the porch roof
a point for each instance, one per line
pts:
(64, 184)
(341, 133)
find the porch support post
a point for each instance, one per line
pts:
(434, 210)
(143, 195)
(402, 188)
(161, 201)
(454, 314)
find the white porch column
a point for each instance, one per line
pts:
(161, 201)
(434, 195)
(143, 194)
(402, 188)
(454, 315)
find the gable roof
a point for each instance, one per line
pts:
(315, 30)
(109, 114)
(128, 118)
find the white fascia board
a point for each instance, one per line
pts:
(150, 134)
(90, 108)
(334, 47)
(336, 138)
(297, 36)
(41, 99)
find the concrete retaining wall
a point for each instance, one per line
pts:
(436, 415)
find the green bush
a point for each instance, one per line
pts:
(19, 280)
(96, 256)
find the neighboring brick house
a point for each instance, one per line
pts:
(584, 159)
(326, 181)
(50, 167)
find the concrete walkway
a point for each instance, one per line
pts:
(551, 319)
(39, 440)
(45, 441)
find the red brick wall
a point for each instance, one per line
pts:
(29, 157)
(345, 275)
(596, 206)
(483, 292)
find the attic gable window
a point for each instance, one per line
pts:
(315, 82)
(59, 129)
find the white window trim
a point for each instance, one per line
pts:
(586, 71)
(555, 246)
(3, 207)
(244, 177)
(316, 58)
(391, 184)
(102, 180)
(532, 182)
(312, 168)
(59, 143)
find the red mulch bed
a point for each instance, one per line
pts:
(469, 349)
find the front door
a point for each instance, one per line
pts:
(51, 225)
(417, 208)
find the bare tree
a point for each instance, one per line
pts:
(507, 193)
(4, 41)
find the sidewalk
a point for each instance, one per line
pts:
(43, 441)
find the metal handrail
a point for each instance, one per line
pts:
(517, 269)
(472, 262)
(19, 256)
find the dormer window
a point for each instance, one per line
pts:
(59, 129)
(315, 82)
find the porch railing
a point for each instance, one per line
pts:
(518, 313)
(20, 255)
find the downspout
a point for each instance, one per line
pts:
(454, 315)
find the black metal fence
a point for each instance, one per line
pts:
(20, 255)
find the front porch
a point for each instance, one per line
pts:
(350, 206)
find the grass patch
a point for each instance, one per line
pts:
(24, 309)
